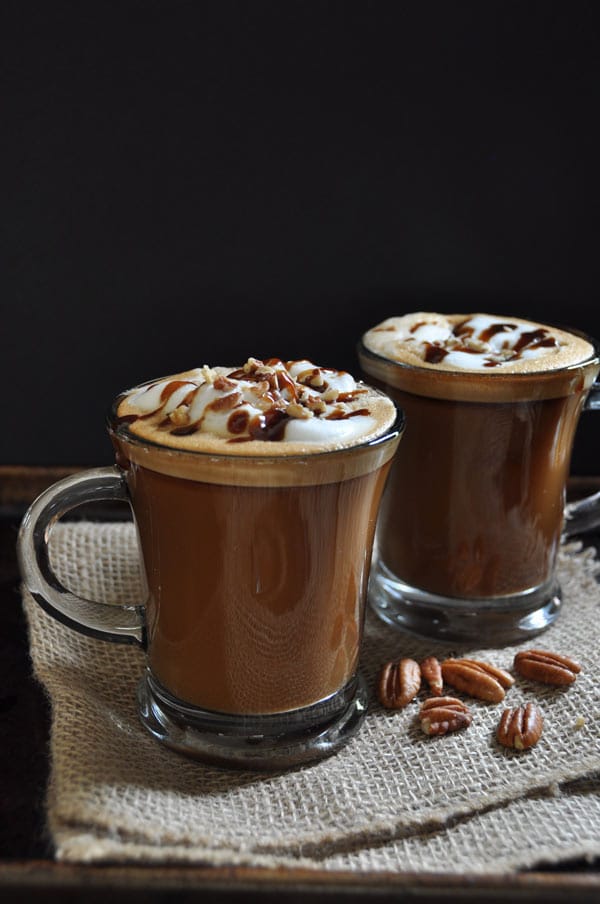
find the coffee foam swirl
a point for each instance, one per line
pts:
(294, 404)
(476, 342)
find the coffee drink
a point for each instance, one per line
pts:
(474, 505)
(255, 492)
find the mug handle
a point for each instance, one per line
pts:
(584, 514)
(117, 623)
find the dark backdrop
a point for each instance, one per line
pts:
(189, 183)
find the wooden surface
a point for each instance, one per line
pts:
(28, 871)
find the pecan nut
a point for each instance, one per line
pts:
(477, 679)
(399, 683)
(520, 728)
(548, 668)
(441, 715)
(431, 671)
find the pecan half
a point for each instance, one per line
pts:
(431, 671)
(441, 715)
(549, 668)
(502, 677)
(520, 728)
(478, 679)
(399, 683)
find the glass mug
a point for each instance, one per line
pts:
(473, 511)
(256, 570)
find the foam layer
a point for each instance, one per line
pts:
(476, 342)
(263, 408)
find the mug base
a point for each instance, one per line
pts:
(480, 622)
(253, 742)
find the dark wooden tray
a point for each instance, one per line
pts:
(28, 871)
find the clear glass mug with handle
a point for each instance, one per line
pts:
(474, 509)
(256, 568)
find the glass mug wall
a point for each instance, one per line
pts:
(472, 515)
(256, 555)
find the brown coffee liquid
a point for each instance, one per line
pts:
(255, 593)
(474, 502)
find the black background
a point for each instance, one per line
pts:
(189, 183)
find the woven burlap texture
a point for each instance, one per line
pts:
(391, 799)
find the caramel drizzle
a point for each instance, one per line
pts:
(267, 425)
(538, 338)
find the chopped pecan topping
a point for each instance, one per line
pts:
(180, 416)
(477, 679)
(441, 715)
(265, 370)
(209, 374)
(431, 671)
(399, 683)
(520, 728)
(312, 377)
(223, 384)
(317, 405)
(226, 402)
(260, 388)
(548, 668)
(299, 411)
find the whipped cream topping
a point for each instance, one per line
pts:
(295, 402)
(475, 342)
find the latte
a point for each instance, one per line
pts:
(255, 492)
(474, 504)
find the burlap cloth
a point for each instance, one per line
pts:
(392, 799)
